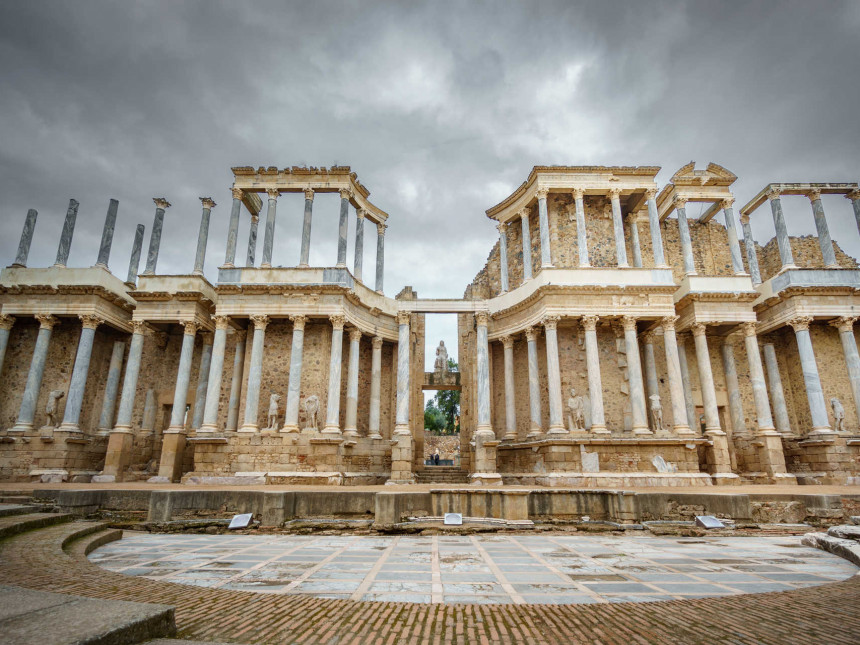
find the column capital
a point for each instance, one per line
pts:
(800, 323)
(380, 228)
(679, 202)
(298, 321)
(482, 318)
(161, 202)
(191, 327)
(813, 194)
(745, 219)
(542, 193)
(648, 337)
(255, 218)
(772, 193)
(360, 213)
(261, 321)
(309, 193)
(651, 193)
(273, 193)
(668, 322)
(852, 195)
(354, 335)
(337, 322)
(550, 322)
(614, 192)
(6, 321)
(345, 193)
(507, 341)
(376, 343)
(845, 323)
(89, 321)
(532, 333)
(589, 323)
(403, 317)
(208, 203)
(221, 322)
(502, 228)
(727, 202)
(699, 329)
(207, 338)
(578, 193)
(628, 323)
(523, 213)
(238, 193)
(750, 328)
(139, 327)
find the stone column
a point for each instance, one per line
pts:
(484, 427)
(306, 228)
(358, 259)
(111, 387)
(706, 378)
(26, 239)
(556, 414)
(161, 205)
(854, 197)
(684, 233)
(736, 408)
(233, 230)
(651, 387)
(202, 380)
(503, 255)
(595, 384)
(527, 245)
(134, 259)
(401, 423)
(749, 243)
(107, 235)
(535, 412)
(332, 418)
(375, 387)
(269, 234)
(581, 232)
(237, 378)
(780, 409)
(380, 255)
(6, 323)
(27, 411)
(343, 227)
(351, 428)
(814, 393)
(764, 419)
(732, 232)
(255, 375)
(654, 226)
(510, 390)
(213, 380)
(782, 240)
(692, 418)
(250, 261)
(845, 325)
(66, 236)
(618, 227)
(203, 235)
(680, 417)
(294, 388)
(80, 372)
(634, 373)
(824, 241)
(147, 423)
(634, 240)
(543, 224)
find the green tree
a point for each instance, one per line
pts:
(434, 420)
(447, 402)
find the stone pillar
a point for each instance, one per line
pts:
(380, 255)
(684, 233)
(147, 423)
(651, 387)
(510, 390)
(503, 255)
(250, 261)
(634, 240)
(845, 325)
(780, 409)
(535, 412)
(80, 372)
(814, 393)
(343, 227)
(680, 417)
(484, 419)
(782, 240)
(134, 259)
(236, 380)
(401, 422)
(692, 418)
(332, 418)
(351, 428)
(527, 245)
(107, 235)
(66, 236)
(764, 419)
(27, 411)
(358, 259)
(6, 323)
(706, 378)
(269, 234)
(749, 243)
(618, 227)
(543, 224)
(306, 228)
(581, 232)
(26, 239)
(854, 197)
(736, 408)
(161, 205)
(294, 389)
(595, 384)
(203, 235)
(202, 380)
(654, 226)
(213, 380)
(732, 232)
(233, 230)
(111, 387)
(634, 373)
(255, 375)
(375, 387)
(556, 414)
(824, 241)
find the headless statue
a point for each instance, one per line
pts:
(272, 419)
(440, 366)
(312, 407)
(656, 412)
(51, 408)
(575, 412)
(838, 414)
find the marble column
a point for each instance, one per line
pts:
(233, 230)
(845, 325)
(294, 388)
(332, 417)
(269, 233)
(824, 241)
(351, 426)
(692, 417)
(764, 419)
(782, 241)
(732, 233)
(6, 323)
(543, 224)
(213, 381)
(202, 380)
(183, 378)
(706, 378)
(654, 226)
(684, 234)
(854, 197)
(107, 235)
(306, 228)
(401, 422)
(634, 374)
(814, 393)
(618, 227)
(777, 395)
(651, 387)
(250, 261)
(484, 426)
(343, 227)
(749, 243)
(203, 235)
(80, 372)
(736, 408)
(503, 255)
(595, 383)
(134, 259)
(375, 388)
(150, 409)
(380, 255)
(161, 205)
(581, 232)
(510, 390)
(553, 370)
(65, 244)
(129, 383)
(236, 380)
(255, 375)
(527, 245)
(358, 259)
(26, 239)
(111, 387)
(535, 411)
(27, 411)
(680, 417)
(634, 240)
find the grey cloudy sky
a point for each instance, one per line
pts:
(441, 108)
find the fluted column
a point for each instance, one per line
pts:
(401, 422)
(26, 239)
(692, 417)
(375, 388)
(654, 226)
(814, 393)
(332, 419)
(581, 232)
(732, 233)
(255, 375)
(351, 427)
(503, 255)
(535, 412)
(306, 228)
(782, 241)
(343, 227)
(618, 227)
(527, 245)
(107, 235)
(634, 373)
(161, 205)
(684, 234)
(294, 388)
(484, 427)
(634, 240)
(736, 408)
(764, 419)
(706, 378)
(749, 243)
(824, 241)
(237, 378)
(845, 325)
(252, 240)
(777, 395)
(269, 234)
(680, 419)
(216, 371)
(203, 235)
(233, 230)
(510, 390)
(65, 244)
(80, 372)
(111, 387)
(358, 259)
(183, 378)
(6, 323)
(854, 198)
(27, 411)
(380, 255)
(556, 415)
(595, 383)
(202, 380)
(651, 387)
(132, 372)
(543, 223)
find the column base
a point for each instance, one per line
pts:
(821, 431)
(21, 428)
(510, 436)
(684, 431)
(375, 436)
(642, 431)
(600, 430)
(69, 427)
(402, 430)
(207, 428)
(289, 429)
(249, 428)
(350, 432)
(557, 430)
(334, 430)
(534, 433)
(266, 265)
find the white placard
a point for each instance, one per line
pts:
(241, 521)
(455, 519)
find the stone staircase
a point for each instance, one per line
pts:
(442, 475)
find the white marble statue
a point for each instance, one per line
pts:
(440, 366)
(656, 412)
(575, 412)
(272, 418)
(51, 408)
(838, 414)
(312, 408)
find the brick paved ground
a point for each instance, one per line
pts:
(823, 614)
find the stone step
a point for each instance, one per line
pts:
(13, 525)
(16, 499)
(7, 510)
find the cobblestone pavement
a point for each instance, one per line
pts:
(486, 569)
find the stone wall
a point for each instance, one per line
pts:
(807, 255)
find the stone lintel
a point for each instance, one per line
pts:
(796, 189)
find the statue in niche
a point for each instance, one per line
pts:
(272, 418)
(838, 414)
(575, 412)
(440, 366)
(51, 409)
(312, 408)
(656, 413)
